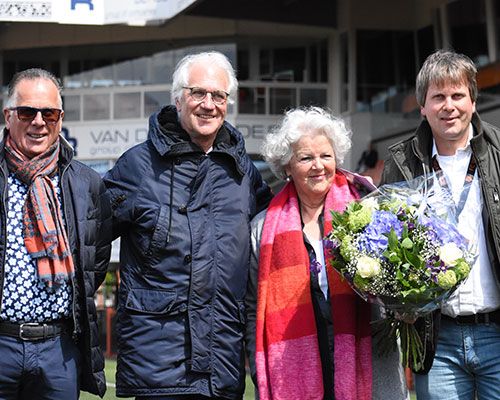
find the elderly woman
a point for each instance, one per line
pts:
(308, 334)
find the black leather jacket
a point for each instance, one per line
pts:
(411, 158)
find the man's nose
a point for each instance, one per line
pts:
(208, 102)
(448, 103)
(38, 120)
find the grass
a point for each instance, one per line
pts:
(110, 368)
(110, 393)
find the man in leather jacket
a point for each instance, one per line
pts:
(463, 338)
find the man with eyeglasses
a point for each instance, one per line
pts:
(182, 203)
(55, 231)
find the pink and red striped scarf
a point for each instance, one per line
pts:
(287, 351)
(44, 234)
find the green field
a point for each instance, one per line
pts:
(110, 393)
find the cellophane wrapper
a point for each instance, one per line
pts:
(400, 247)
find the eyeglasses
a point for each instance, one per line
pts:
(219, 97)
(27, 114)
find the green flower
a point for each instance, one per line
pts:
(359, 219)
(447, 279)
(346, 248)
(462, 269)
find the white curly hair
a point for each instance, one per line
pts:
(277, 146)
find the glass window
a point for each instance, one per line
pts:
(317, 67)
(252, 100)
(127, 105)
(96, 107)
(243, 69)
(71, 108)
(153, 101)
(385, 68)
(130, 72)
(467, 21)
(313, 97)
(283, 64)
(281, 99)
(425, 39)
(9, 69)
(344, 70)
(161, 67)
(289, 64)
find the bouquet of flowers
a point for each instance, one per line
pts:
(400, 247)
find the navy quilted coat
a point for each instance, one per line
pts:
(183, 217)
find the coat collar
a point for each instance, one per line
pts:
(169, 138)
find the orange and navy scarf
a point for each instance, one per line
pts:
(44, 234)
(287, 351)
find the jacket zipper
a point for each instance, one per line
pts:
(63, 196)
(4, 221)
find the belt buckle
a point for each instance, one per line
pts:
(21, 329)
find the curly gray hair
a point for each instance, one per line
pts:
(277, 145)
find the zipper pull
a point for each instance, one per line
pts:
(496, 198)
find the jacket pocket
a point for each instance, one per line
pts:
(160, 233)
(152, 301)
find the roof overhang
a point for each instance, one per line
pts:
(303, 12)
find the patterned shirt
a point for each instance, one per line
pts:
(25, 298)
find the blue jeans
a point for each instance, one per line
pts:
(466, 366)
(46, 369)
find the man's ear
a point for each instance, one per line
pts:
(422, 112)
(7, 115)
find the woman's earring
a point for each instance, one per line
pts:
(288, 178)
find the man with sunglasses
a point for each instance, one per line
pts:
(55, 230)
(182, 203)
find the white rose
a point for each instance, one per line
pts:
(370, 203)
(368, 267)
(450, 253)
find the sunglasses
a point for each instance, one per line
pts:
(27, 114)
(219, 97)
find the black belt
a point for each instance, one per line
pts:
(33, 330)
(481, 318)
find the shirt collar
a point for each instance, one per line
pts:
(465, 149)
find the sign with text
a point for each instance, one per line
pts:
(91, 12)
(108, 140)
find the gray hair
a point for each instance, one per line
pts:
(444, 67)
(299, 122)
(180, 76)
(31, 74)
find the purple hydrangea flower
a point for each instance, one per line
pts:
(442, 232)
(374, 238)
